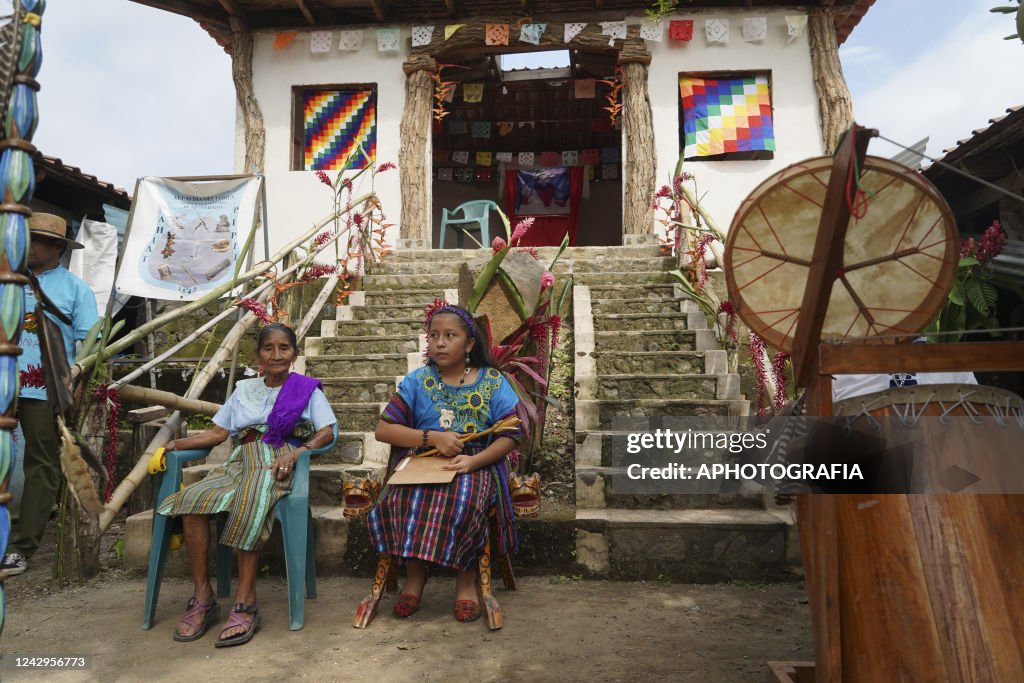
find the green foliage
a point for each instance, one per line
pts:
(661, 9)
(971, 304)
(1017, 10)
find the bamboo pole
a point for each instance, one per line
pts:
(314, 308)
(168, 400)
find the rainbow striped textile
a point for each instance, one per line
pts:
(336, 123)
(722, 115)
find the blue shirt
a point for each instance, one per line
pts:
(75, 299)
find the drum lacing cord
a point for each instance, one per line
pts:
(968, 407)
(1001, 413)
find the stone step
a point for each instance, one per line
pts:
(433, 265)
(401, 311)
(359, 345)
(688, 386)
(634, 306)
(384, 365)
(373, 328)
(545, 253)
(655, 292)
(594, 490)
(653, 322)
(648, 362)
(600, 414)
(375, 297)
(643, 340)
(357, 417)
(358, 389)
(613, 264)
(652, 277)
(325, 480)
(422, 280)
(594, 448)
(699, 546)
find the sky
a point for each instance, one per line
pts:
(129, 91)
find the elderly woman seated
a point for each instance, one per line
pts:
(271, 420)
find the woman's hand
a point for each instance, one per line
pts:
(447, 444)
(284, 465)
(169, 446)
(463, 464)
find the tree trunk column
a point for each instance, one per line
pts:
(241, 74)
(835, 105)
(638, 128)
(415, 225)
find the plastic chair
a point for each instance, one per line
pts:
(477, 211)
(296, 530)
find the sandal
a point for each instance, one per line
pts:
(206, 611)
(406, 605)
(467, 610)
(235, 619)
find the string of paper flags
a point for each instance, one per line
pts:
(716, 32)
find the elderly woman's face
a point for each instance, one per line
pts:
(276, 354)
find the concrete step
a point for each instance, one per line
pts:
(613, 264)
(699, 546)
(325, 481)
(545, 253)
(652, 322)
(409, 281)
(633, 306)
(644, 340)
(399, 311)
(358, 389)
(599, 414)
(397, 296)
(655, 292)
(594, 490)
(649, 362)
(614, 387)
(432, 265)
(383, 365)
(625, 277)
(372, 344)
(357, 417)
(373, 328)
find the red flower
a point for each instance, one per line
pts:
(257, 309)
(386, 166)
(318, 270)
(522, 227)
(32, 376)
(547, 280)
(532, 251)
(322, 239)
(663, 192)
(324, 179)
(498, 244)
(555, 322)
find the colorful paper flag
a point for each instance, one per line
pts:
(615, 30)
(464, 175)
(526, 158)
(504, 157)
(472, 92)
(336, 123)
(350, 41)
(387, 39)
(482, 129)
(450, 30)
(422, 35)
(591, 156)
(444, 174)
(320, 41)
(610, 155)
(531, 33)
(609, 171)
(570, 158)
(441, 155)
(483, 173)
(585, 88)
(496, 34)
(572, 30)
(755, 29)
(717, 31)
(652, 30)
(483, 158)
(550, 158)
(722, 115)
(457, 127)
(681, 30)
(284, 38)
(460, 157)
(795, 26)
(504, 128)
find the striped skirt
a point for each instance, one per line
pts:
(441, 523)
(244, 487)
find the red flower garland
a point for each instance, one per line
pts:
(779, 365)
(756, 346)
(113, 398)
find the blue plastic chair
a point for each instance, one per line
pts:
(296, 530)
(477, 211)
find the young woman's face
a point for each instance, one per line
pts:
(276, 353)
(448, 343)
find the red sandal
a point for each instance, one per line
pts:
(406, 605)
(467, 610)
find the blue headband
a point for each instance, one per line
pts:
(466, 318)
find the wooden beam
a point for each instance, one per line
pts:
(192, 10)
(527, 7)
(968, 204)
(855, 359)
(306, 11)
(378, 9)
(450, 4)
(235, 10)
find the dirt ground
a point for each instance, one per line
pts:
(555, 629)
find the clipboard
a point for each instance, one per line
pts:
(427, 470)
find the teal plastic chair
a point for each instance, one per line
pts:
(477, 211)
(296, 530)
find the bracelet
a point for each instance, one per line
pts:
(425, 433)
(307, 446)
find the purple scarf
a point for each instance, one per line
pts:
(294, 396)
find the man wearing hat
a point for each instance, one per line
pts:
(75, 299)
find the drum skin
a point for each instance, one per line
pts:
(919, 588)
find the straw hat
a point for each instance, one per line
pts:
(55, 227)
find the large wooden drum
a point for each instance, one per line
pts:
(923, 588)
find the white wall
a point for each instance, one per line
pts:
(794, 101)
(296, 199)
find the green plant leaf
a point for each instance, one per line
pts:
(483, 281)
(956, 295)
(558, 254)
(975, 295)
(514, 294)
(566, 288)
(966, 261)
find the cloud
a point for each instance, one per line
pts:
(953, 87)
(129, 91)
(858, 54)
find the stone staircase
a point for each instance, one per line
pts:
(641, 349)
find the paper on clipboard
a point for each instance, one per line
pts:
(422, 471)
